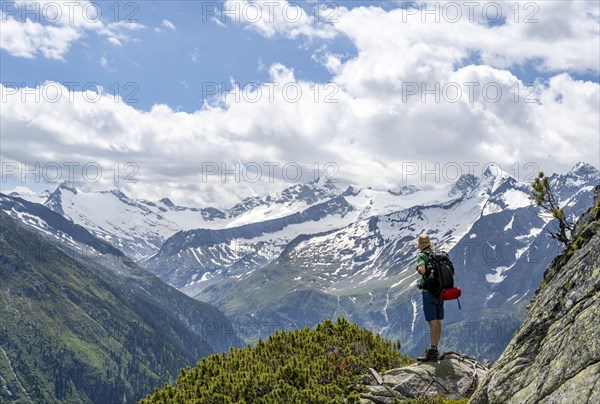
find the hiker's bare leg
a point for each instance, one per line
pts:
(438, 334)
(435, 331)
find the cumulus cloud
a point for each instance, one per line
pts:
(396, 46)
(413, 93)
(27, 39)
(271, 18)
(49, 28)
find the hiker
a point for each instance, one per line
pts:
(433, 306)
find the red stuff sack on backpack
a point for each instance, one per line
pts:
(450, 294)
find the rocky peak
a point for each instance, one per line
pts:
(167, 202)
(309, 193)
(352, 190)
(67, 185)
(325, 183)
(495, 171)
(566, 185)
(54, 201)
(494, 178)
(555, 354)
(580, 174)
(465, 184)
(582, 169)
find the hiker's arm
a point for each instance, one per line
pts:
(421, 261)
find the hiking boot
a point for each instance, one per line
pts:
(431, 355)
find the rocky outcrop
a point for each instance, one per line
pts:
(555, 355)
(452, 376)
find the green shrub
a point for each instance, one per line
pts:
(303, 366)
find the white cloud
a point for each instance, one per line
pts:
(114, 41)
(368, 139)
(195, 55)
(27, 39)
(23, 192)
(168, 24)
(103, 61)
(560, 40)
(372, 125)
(51, 33)
(271, 18)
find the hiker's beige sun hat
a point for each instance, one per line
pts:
(423, 241)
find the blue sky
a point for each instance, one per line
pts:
(161, 64)
(174, 66)
(171, 66)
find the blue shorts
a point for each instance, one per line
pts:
(433, 307)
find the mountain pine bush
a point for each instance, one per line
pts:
(303, 366)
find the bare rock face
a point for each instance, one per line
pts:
(555, 355)
(453, 376)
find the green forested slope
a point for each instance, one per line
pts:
(68, 334)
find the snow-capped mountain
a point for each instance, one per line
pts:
(377, 246)
(293, 199)
(211, 254)
(136, 227)
(140, 227)
(571, 187)
(314, 251)
(194, 259)
(365, 270)
(360, 232)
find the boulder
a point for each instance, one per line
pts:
(452, 376)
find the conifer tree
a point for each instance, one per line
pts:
(543, 196)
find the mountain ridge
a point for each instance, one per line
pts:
(120, 331)
(362, 256)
